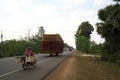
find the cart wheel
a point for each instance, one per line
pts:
(25, 67)
(34, 61)
(34, 65)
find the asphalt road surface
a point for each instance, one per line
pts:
(10, 70)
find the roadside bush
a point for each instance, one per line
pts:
(15, 48)
(111, 57)
(118, 59)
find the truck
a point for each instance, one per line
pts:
(51, 44)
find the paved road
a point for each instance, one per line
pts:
(10, 70)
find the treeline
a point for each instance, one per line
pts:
(14, 47)
(70, 48)
(17, 47)
(108, 28)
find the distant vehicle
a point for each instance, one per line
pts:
(51, 44)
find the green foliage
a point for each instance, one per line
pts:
(39, 34)
(111, 57)
(82, 36)
(36, 39)
(109, 29)
(85, 29)
(93, 47)
(116, 0)
(17, 47)
(68, 46)
(96, 48)
(82, 44)
(13, 47)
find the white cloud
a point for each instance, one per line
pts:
(74, 2)
(26, 3)
(78, 16)
(96, 37)
(102, 2)
(12, 7)
(65, 7)
(25, 12)
(44, 10)
(98, 2)
(82, 12)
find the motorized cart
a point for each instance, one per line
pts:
(26, 61)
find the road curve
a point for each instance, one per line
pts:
(45, 64)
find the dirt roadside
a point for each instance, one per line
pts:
(83, 67)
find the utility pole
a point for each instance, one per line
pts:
(1, 41)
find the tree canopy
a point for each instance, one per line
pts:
(116, 0)
(82, 36)
(109, 28)
(85, 29)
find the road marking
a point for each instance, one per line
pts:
(21, 68)
(10, 72)
(43, 60)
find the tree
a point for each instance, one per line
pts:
(85, 29)
(109, 28)
(82, 44)
(37, 37)
(82, 36)
(41, 31)
(39, 34)
(116, 0)
(68, 46)
(93, 47)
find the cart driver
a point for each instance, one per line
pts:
(29, 52)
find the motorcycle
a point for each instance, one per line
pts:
(26, 61)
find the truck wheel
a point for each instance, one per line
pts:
(50, 54)
(56, 54)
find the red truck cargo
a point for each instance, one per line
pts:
(51, 44)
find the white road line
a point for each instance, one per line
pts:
(21, 68)
(10, 72)
(44, 60)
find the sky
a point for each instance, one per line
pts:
(56, 16)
